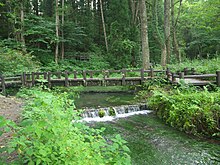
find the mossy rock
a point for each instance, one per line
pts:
(101, 113)
(111, 112)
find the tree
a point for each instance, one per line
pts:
(62, 32)
(144, 36)
(22, 26)
(174, 25)
(158, 33)
(57, 31)
(166, 31)
(103, 24)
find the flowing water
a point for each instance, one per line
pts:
(96, 99)
(153, 143)
(150, 140)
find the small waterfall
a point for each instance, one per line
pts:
(110, 113)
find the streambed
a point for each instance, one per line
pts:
(153, 143)
(104, 99)
(150, 140)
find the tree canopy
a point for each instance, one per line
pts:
(177, 29)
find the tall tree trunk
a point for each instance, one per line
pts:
(167, 27)
(22, 27)
(103, 24)
(57, 33)
(159, 36)
(144, 36)
(63, 46)
(36, 6)
(174, 23)
(163, 54)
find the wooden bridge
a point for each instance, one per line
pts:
(104, 78)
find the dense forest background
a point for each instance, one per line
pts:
(99, 34)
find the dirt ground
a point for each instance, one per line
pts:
(10, 108)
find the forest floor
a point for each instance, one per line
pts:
(10, 108)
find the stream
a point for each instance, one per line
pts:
(150, 140)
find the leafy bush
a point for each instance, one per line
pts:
(193, 111)
(51, 134)
(14, 62)
(201, 66)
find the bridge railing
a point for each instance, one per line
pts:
(101, 77)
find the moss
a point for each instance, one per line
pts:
(101, 113)
(112, 112)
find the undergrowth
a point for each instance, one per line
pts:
(192, 110)
(200, 65)
(50, 133)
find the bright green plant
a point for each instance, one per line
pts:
(192, 111)
(101, 113)
(51, 134)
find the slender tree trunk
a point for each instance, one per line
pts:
(36, 7)
(175, 42)
(163, 54)
(57, 33)
(22, 27)
(167, 27)
(144, 35)
(103, 24)
(63, 45)
(159, 36)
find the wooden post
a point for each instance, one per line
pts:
(59, 75)
(168, 73)
(123, 77)
(33, 79)
(49, 79)
(173, 77)
(84, 78)
(181, 75)
(66, 79)
(218, 78)
(45, 75)
(107, 73)
(23, 79)
(193, 71)
(3, 85)
(91, 74)
(104, 73)
(142, 76)
(151, 72)
(28, 76)
(37, 75)
(185, 70)
(75, 74)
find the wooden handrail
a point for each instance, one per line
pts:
(68, 78)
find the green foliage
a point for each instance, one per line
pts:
(200, 28)
(201, 66)
(51, 134)
(5, 125)
(14, 61)
(190, 110)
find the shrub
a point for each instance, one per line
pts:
(50, 134)
(14, 62)
(196, 112)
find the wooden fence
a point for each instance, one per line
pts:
(103, 78)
